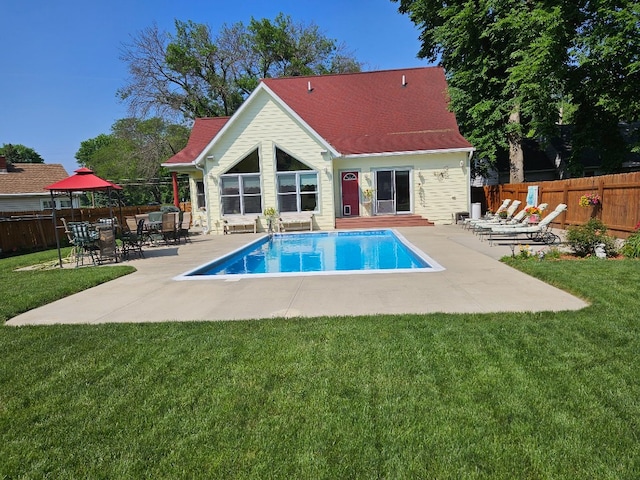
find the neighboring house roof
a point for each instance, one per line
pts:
(203, 131)
(367, 113)
(30, 178)
(375, 112)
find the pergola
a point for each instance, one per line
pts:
(84, 180)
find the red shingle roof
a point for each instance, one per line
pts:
(374, 112)
(360, 113)
(203, 131)
(30, 177)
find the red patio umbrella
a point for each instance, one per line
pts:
(83, 180)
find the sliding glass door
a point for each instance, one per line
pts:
(392, 191)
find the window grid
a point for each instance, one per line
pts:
(243, 194)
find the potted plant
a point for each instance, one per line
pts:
(590, 200)
(367, 195)
(271, 214)
(534, 214)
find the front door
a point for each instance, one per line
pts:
(350, 194)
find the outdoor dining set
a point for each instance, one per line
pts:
(107, 240)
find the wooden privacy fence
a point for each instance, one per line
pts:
(33, 230)
(620, 195)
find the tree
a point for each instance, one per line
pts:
(193, 74)
(20, 154)
(511, 63)
(132, 155)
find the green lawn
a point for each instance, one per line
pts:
(522, 395)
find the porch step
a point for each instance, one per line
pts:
(382, 221)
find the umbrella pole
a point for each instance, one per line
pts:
(55, 227)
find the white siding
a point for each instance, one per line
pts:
(265, 125)
(17, 203)
(439, 184)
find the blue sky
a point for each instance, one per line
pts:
(60, 66)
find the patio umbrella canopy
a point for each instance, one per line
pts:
(83, 180)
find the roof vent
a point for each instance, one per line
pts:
(404, 80)
(309, 88)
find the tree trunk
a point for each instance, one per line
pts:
(516, 156)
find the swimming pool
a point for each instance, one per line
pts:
(319, 253)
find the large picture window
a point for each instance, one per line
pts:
(240, 190)
(297, 184)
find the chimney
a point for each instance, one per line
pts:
(3, 164)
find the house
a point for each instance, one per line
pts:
(22, 186)
(380, 143)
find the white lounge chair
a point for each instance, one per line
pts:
(505, 203)
(521, 219)
(536, 233)
(496, 219)
(295, 221)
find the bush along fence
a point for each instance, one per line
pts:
(613, 199)
(33, 230)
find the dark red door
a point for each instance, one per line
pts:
(350, 194)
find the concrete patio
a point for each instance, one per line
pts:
(474, 281)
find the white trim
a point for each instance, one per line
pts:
(201, 157)
(410, 152)
(190, 165)
(305, 125)
(25, 194)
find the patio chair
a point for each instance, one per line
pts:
(536, 233)
(469, 221)
(497, 219)
(153, 227)
(521, 219)
(183, 228)
(168, 229)
(74, 248)
(132, 240)
(86, 241)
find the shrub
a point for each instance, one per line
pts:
(583, 239)
(631, 247)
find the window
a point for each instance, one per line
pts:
(240, 190)
(200, 197)
(297, 184)
(60, 203)
(393, 191)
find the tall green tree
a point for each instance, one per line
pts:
(132, 155)
(17, 153)
(512, 63)
(194, 73)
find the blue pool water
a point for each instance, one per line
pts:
(318, 253)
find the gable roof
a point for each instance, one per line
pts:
(30, 178)
(375, 112)
(367, 113)
(202, 132)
